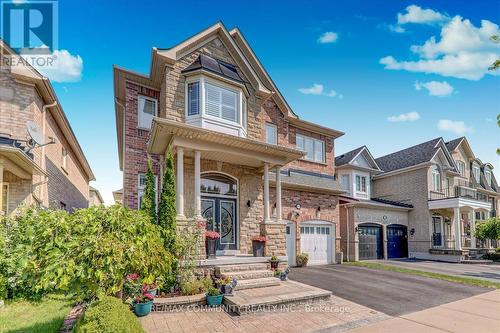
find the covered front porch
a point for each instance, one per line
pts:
(453, 223)
(223, 180)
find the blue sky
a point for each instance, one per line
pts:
(352, 59)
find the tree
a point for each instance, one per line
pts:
(148, 204)
(166, 209)
(496, 64)
(489, 229)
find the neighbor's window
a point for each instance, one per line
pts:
(193, 98)
(487, 175)
(314, 148)
(146, 111)
(361, 183)
(271, 134)
(346, 182)
(222, 103)
(476, 171)
(64, 158)
(436, 180)
(461, 167)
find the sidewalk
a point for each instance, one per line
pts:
(478, 314)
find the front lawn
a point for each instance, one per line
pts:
(445, 277)
(45, 316)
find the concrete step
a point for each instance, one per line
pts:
(257, 283)
(224, 269)
(276, 298)
(248, 275)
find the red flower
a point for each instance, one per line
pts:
(261, 239)
(148, 296)
(201, 224)
(132, 276)
(212, 234)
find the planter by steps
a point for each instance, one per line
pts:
(143, 309)
(211, 238)
(258, 244)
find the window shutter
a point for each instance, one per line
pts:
(213, 101)
(228, 105)
(193, 98)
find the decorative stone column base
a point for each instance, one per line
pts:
(276, 238)
(191, 225)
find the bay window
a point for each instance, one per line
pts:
(360, 183)
(193, 98)
(314, 148)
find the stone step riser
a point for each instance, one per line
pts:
(249, 275)
(283, 306)
(239, 268)
(257, 283)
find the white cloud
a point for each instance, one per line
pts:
(396, 28)
(319, 89)
(457, 127)
(61, 66)
(410, 116)
(415, 14)
(328, 37)
(463, 51)
(435, 88)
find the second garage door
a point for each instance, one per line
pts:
(370, 242)
(316, 240)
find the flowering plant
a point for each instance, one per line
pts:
(261, 239)
(143, 298)
(212, 234)
(223, 280)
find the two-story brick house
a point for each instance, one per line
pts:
(244, 160)
(54, 175)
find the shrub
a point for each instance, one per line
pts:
(88, 252)
(489, 229)
(495, 256)
(302, 259)
(196, 286)
(148, 203)
(109, 315)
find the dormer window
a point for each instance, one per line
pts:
(476, 171)
(487, 175)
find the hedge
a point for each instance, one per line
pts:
(108, 315)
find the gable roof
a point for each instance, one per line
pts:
(453, 144)
(412, 156)
(347, 157)
(462, 141)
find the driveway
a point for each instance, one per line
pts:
(490, 272)
(388, 292)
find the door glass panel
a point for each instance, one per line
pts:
(208, 212)
(227, 226)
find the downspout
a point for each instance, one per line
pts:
(123, 148)
(44, 125)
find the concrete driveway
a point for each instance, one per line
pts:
(490, 272)
(392, 293)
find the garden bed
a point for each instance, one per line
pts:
(175, 303)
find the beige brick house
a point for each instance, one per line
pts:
(244, 160)
(54, 175)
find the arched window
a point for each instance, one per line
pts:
(218, 184)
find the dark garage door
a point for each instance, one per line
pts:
(370, 242)
(397, 241)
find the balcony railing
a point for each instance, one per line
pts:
(457, 192)
(440, 241)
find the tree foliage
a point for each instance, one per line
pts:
(489, 229)
(166, 208)
(88, 252)
(148, 204)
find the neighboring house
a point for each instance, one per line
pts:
(95, 198)
(244, 161)
(118, 196)
(370, 228)
(449, 189)
(55, 175)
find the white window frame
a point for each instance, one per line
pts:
(188, 102)
(487, 175)
(360, 189)
(476, 172)
(303, 138)
(461, 167)
(348, 184)
(141, 112)
(6, 198)
(140, 189)
(436, 180)
(275, 129)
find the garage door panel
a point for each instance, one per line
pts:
(316, 240)
(370, 242)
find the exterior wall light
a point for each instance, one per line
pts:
(298, 206)
(412, 231)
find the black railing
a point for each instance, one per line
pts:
(443, 241)
(457, 192)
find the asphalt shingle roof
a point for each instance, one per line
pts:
(408, 157)
(451, 145)
(347, 157)
(215, 66)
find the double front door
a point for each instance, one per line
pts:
(221, 216)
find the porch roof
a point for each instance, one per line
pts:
(217, 146)
(15, 160)
(459, 202)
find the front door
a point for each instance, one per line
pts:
(221, 216)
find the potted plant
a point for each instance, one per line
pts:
(258, 244)
(302, 259)
(274, 262)
(214, 296)
(151, 288)
(143, 303)
(226, 284)
(211, 238)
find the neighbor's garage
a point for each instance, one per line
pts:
(370, 242)
(316, 239)
(397, 241)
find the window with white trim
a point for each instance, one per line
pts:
(314, 148)
(461, 167)
(487, 175)
(193, 98)
(64, 158)
(361, 183)
(146, 111)
(436, 180)
(222, 103)
(271, 134)
(476, 171)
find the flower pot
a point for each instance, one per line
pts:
(214, 300)
(258, 248)
(143, 309)
(210, 247)
(274, 264)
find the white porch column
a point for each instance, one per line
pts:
(278, 194)
(180, 182)
(384, 241)
(266, 192)
(473, 230)
(197, 184)
(458, 228)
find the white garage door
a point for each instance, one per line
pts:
(316, 240)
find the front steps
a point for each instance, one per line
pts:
(258, 290)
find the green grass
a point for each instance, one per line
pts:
(45, 316)
(445, 277)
